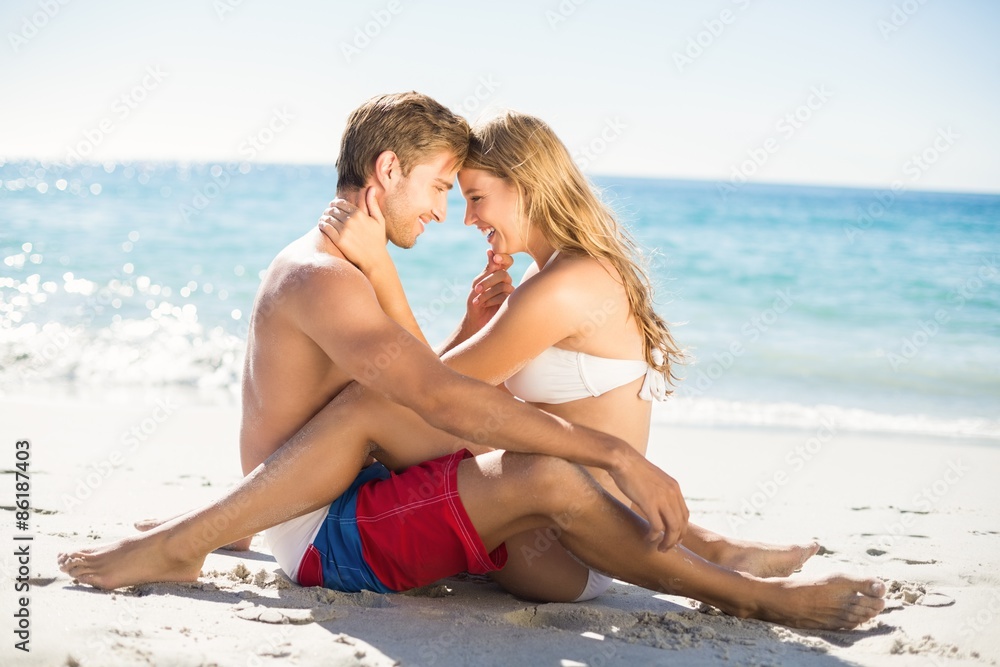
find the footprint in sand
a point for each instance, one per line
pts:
(325, 596)
(432, 591)
(568, 616)
(910, 593)
(253, 612)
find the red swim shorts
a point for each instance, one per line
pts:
(415, 530)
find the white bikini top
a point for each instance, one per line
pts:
(560, 376)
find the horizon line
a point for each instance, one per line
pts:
(4, 160)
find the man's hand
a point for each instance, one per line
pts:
(657, 495)
(359, 232)
(489, 290)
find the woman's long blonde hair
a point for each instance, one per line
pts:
(555, 197)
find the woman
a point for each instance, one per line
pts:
(578, 336)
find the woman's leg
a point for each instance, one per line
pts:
(539, 568)
(508, 494)
(757, 558)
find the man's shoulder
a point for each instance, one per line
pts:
(302, 266)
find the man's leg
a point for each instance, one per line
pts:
(400, 438)
(308, 472)
(508, 494)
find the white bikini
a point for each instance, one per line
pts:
(560, 376)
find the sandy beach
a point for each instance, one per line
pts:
(920, 513)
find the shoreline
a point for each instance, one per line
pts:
(918, 512)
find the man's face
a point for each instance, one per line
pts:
(418, 198)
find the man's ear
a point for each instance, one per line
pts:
(387, 170)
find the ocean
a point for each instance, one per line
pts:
(872, 310)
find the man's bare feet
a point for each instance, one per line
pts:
(834, 603)
(149, 524)
(133, 560)
(766, 560)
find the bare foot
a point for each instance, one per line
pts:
(833, 603)
(767, 560)
(149, 524)
(133, 560)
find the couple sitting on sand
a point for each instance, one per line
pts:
(338, 373)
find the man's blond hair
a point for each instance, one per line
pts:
(411, 125)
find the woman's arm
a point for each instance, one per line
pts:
(363, 242)
(489, 291)
(543, 311)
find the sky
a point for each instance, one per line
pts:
(856, 93)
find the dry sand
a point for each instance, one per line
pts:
(920, 513)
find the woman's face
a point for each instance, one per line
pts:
(491, 206)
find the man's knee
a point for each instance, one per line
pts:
(555, 483)
(352, 394)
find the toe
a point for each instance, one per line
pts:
(852, 620)
(873, 605)
(875, 588)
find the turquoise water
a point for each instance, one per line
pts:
(796, 302)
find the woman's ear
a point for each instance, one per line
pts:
(387, 170)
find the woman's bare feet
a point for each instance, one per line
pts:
(133, 560)
(765, 560)
(834, 603)
(149, 524)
